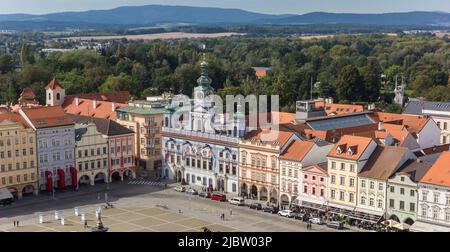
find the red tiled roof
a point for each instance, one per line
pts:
(413, 123)
(281, 137)
(339, 109)
(117, 97)
(439, 173)
(357, 143)
(85, 107)
(14, 117)
(44, 117)
(297, 150)
(53, 84)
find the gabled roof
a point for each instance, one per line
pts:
(53, 85)
(297, 150)
(85, 107)
(105, 126)
(281, 137)
(357, 143)
(323, 167)
(417, 107)
(383, 162)
(45, 117)
(117, 97)
(14, 117)
(439, 173)
(415, 169)
(413, 123)
(339, 109)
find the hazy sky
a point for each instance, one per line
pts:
(264, 6)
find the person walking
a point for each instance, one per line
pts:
(231, 212)
(85, 224)
(17, 223)
(14, 223)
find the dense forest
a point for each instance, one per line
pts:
(356, 68)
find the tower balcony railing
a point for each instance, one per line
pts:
(211, 136)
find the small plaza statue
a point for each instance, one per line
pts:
(99, 227)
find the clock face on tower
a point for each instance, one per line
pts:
(199, 95)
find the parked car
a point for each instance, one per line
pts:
(238, 201)
(219, 197)
(298, 216)
(204, 194)
(286, 213)
(256, 206)
(180, 189)
(316, 220)
(270, 209)
(191, 191)
(6, 197)
(335, 224)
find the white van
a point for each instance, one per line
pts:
(238, 201)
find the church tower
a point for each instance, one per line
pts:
(54, 94)
(399, 93)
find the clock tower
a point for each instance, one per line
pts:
(202, 115)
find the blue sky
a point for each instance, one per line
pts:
(263, 6)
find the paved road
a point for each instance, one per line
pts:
(148, 195)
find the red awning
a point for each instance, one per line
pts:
(73, 173)
(62, 178)
(48, 176)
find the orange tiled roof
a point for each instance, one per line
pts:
(281, 137)
(50, 116)
(85, 107)
(439, 173)
(339, 109)
(14, 117)
(356, 143)
(413, 123)
(297, 150)
(117, 97)
(53, 84)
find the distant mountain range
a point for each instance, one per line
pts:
(159, 14)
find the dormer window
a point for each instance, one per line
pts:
(350, 152)
(339, 150)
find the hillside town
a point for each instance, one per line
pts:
(342, 162)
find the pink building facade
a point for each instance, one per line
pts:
(314, 183)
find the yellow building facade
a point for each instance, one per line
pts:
(18, 164)
(91, 151)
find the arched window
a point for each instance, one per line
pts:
(49, 97)
(58, 96)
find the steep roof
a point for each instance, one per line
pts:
(105, 126)
(356, 143)
(85, 107)
(117, 97)
(280, 137)
(53, 85)
(413, 123)
(28, 94)
(416, 169)
(14, 117)
(439, 173)
(45, 117)
(339, 109)
(383, 162)
(417, 107)
(297, 150)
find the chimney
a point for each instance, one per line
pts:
(77, 101)
(94, 104)
(113, 106)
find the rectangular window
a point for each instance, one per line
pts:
(412, 207)
(333, 165)
(342, 166)
(333, 194)
(402, 205)
(351, 197)
(402, 191)
(341, 195)
(391, 203)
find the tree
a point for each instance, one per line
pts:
(24, 54)
(349, 85)
(121, 82)
(372, 79)
(11, 93)
(6, 63)
(439, 94)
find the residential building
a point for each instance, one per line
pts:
(121, 161)
(434, 198)
(18, 165)
(55, 139)
(260, 165)
(347, 158)
(438, 111)
(313, 193)
(373, 178)
(27, 98)
(91, 151)
(145, 118)
(298, 155)
(402, 191)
